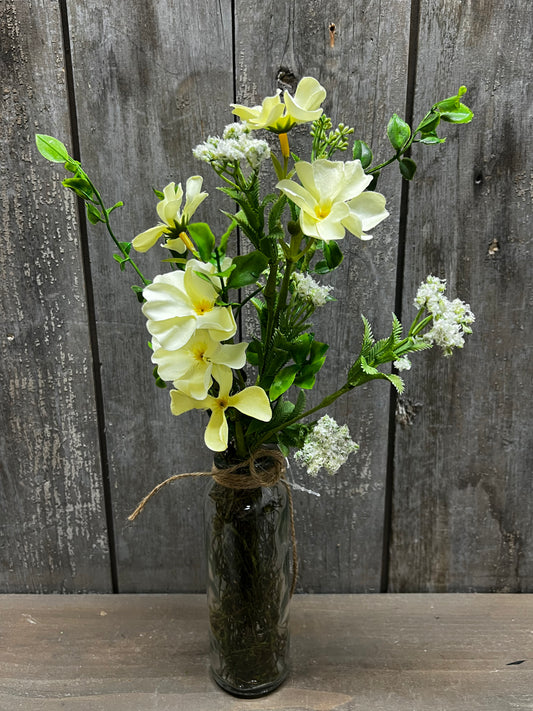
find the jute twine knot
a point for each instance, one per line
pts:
(265, 467)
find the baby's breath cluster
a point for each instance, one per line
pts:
(307, 289)
(236, 145)
(328, 446)
(451, 319)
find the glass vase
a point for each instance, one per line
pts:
(249, 543)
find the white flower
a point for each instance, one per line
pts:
(252, 401)
(309, 290)
(180, 302)
(173, 219)
(275, 116)
(328, 445)
(332, 200)
(235, 145)
(193, 367)
(402, 363)
(451, 319)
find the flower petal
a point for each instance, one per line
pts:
(331, 227)
(172, 365)
(219, 321)
(354, 181)
(193, 196)
(231, 354)
(370, 208)
(252, 401)
(147, 239)
(216, 433)
(164, 301)
(298, 194)
(309, 223)
(180, 403)
(225, 380)
(172, 333)
(309, 93)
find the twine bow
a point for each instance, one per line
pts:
(265, 467)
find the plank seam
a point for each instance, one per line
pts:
(89, 295)
(414, 28)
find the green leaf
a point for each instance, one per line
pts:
(396, 381)
(110, 209)
(254, 352)
(247, 270)
(282, 381)
(121, 260)
(224, 239)
(452, 110)
(407, 168)
(80, 185)
(429, 123)
(126, 247)
(160, 383)
(51, 148)
(159, 194)
(363, 153)
(72, 165)
(204, 238)
(430, 139)
(138, 290)
(366, 367)
(300, 347)
(277, 167)
(332, 254)
(368, 336)
(274, 216)
(398, 132)
(93, 214)
(462, 114)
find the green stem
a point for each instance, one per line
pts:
(326, 402)
(110, 231)
(396, 156)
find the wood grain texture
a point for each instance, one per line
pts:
(348, 653)
(340, 533)
(463, 512)
(150, 84)
(53, 530)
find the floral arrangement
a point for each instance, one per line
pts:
(255, 391)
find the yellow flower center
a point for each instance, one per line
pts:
(203, 306)
(198, 353)
(322, 210)
(222, 402)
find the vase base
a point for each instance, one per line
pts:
(250, 692)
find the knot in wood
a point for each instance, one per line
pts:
(264, 468)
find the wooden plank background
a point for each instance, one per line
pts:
(442, 503)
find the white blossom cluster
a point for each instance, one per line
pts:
(451, 319)
(235, 145)
(402, 363)
(309, 290)
(328, 445)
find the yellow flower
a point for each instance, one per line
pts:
(180, 302)
(193, 367)
(173, 220)
(332, 200)
(275, 116)
(252, 401)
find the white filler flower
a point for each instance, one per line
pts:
(327, 446)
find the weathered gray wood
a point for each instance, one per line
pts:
(340, 533)
(53, 530)
(463, 512)
(357, 652)
(150, 84)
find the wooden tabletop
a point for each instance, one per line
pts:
(349, 653)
